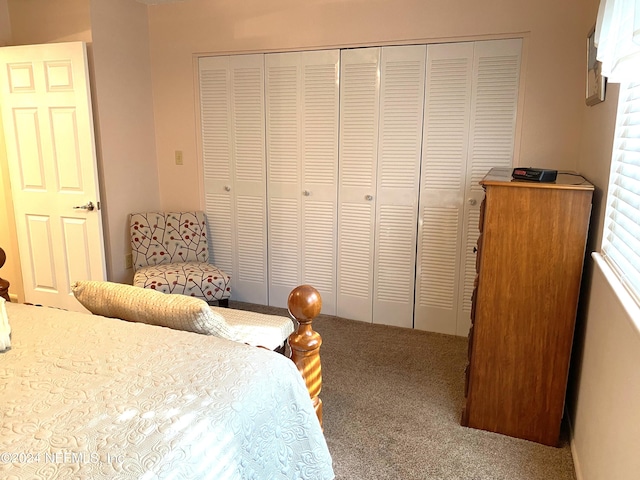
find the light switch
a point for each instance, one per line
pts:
(179, 157)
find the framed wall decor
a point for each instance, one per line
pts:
(596, 83)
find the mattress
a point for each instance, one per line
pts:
(85, 396)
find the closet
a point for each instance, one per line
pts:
(356, 171)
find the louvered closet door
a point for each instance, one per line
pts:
(232, 119)
(302, 162)
(496, 73)
(320, 110)
(399, 151)
(470, 117)
(358, 153)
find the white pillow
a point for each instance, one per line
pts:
(142, 305)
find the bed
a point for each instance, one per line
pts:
(86, 396)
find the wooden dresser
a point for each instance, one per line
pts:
(531, 251)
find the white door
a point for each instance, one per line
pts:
(46, 108)
(233, 155)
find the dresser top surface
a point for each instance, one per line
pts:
(565, 180)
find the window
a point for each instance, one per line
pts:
(621, 239)
(617, 38)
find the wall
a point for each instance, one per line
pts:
(606, 413)
(553, 69)
(8, 240)
(123, 109)
(5, 24)
(41, 21)
(604, 379)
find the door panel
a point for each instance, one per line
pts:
(284, 188)
(359, 113)
(66, 149)
(40, 251)
(320, 113)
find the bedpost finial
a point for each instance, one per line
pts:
(305, 303)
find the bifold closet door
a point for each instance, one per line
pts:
(402, 75)
(492, 135)
(382, 92)
(302, 169)
(233, 152)
(469, 127)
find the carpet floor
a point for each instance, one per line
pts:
(392, 400)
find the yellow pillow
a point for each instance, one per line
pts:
(136, 304)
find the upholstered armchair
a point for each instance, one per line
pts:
(170, 254)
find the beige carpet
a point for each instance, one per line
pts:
(392, 400)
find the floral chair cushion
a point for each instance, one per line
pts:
(173, 237)
(196, 279)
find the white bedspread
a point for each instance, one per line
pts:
(90, 397)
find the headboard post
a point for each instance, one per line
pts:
(4, 284)
(304, 305)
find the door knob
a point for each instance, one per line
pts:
(472, 201)
(368, 197)
(88, 206)
(306, 193)
(227, 188)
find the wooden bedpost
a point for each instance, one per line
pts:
(4, 284)
(305, 304)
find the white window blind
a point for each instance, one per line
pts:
(621, 239)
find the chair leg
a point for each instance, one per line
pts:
(223, 303)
